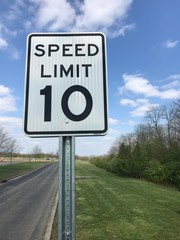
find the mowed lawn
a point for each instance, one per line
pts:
(109, 207)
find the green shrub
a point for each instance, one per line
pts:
(165, 172)
(157, 172)
(100, 162)
(174, 174)
(139, 161)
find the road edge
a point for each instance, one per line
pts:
(48, 231)
(21, 174)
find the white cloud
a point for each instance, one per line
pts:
(27, 25)
(170, 94)
(113, 131)
(131, 123)
(7, 104)
(15, 10)
(170, 44)
(141, 105)
(7, 100)
(101, 14)
(122, 31)
(141, 86)
(113, 121)
(5, 31)
(4, 90)
(133, 103)
(54, 14)
(14, 53)
(172, 84)
(88, 15)
(142, 109)
(138, 85)
(174, 77)
(10, 123)
(128, 102)
(3, 43)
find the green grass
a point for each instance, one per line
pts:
(109, 207)
(8, 171)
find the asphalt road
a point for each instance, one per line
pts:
(26, 203)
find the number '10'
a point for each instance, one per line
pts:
(47, 92)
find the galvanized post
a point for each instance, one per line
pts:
(66, 206)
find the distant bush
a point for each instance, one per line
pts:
(100, 162)
(152, 151)
(154, 170)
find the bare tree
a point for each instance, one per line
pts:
(169, 115)
(4, 137)
(154, 117)
(12, 146)
(36, 151)
(128, 139)
(176, 122)
(143, 133)
(114, 149)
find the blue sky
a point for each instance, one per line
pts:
(143, 56)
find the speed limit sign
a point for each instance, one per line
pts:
(66, 85)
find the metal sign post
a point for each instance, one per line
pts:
(66, 213)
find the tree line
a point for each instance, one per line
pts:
(152, 151)
(8, 144)
(10, 147)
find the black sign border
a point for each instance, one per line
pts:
(42, 134)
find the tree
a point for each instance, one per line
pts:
(143, 133)
(4, 137)
(113, 151)
(37, 151)
(176, 123)
(128, 139)
(12, 146)
(125, 151)
(139, 161)
(169, 115)
(153, 118)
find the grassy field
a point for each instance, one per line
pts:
(112, 208)
(8, 171)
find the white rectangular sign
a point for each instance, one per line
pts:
(66, 85)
